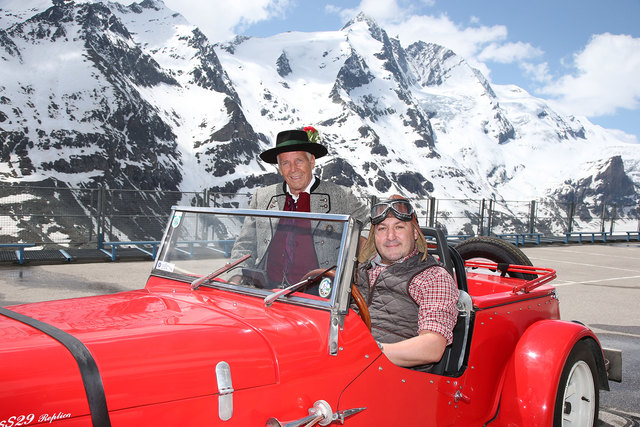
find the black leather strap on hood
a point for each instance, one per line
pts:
(88, 369)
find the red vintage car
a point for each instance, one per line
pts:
(213, 340)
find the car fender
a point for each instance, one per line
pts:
(533, 372)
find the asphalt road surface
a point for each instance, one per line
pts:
(598, 285)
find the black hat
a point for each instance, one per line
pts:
(293, 140)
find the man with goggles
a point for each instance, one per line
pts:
(411, 297)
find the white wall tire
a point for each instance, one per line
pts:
(577, 399)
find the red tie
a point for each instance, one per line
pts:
(304, 202)
(302, 205)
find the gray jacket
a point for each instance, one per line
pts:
(325, 197)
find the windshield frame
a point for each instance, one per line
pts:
(344, 270)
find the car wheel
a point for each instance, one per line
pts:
(496, 250)
(578, 397)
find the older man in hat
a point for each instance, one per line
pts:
(295, 154)
(411, 297)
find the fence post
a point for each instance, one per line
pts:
(112, 197)
(490, 217)
(427, 210)
(100, 216)
(613, 218)
(432, 212)
(92, 202)
(372, 200)
(481, 219)
(572, 208)
(532, 216)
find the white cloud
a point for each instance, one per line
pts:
(537, 72)
(605, 78)
(400, 20)
(380, 10)
(508, 53)
(467, 42)
(221, 20)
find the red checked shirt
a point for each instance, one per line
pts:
(436, 294)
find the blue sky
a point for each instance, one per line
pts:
(583, 56)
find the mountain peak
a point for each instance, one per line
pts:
(362, 18)
(152, 4)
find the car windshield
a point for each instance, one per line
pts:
(259, 252)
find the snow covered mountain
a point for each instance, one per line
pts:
(136, 97)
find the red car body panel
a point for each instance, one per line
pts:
(534, 371)
(148, 348)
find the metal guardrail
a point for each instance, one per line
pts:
(602, 234)
(521, 238)
(631, 233)
(115, 245)
(19, 251)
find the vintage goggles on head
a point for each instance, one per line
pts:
(400, 208)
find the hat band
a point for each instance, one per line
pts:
(292, 142)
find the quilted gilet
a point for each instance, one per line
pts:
(394, 313)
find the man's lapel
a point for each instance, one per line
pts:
(277, 202)
(320, 203)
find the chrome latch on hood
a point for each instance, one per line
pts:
(320, 414)
(225, 388)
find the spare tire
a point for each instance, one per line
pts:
(496, 250)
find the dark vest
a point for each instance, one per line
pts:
(291, 252)
(394, 314)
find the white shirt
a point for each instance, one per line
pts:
(306, 190)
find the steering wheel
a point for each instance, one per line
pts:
(363, 310)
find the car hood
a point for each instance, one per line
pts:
(148, 347)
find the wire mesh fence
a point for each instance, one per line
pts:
(76, 217)
(84, 216)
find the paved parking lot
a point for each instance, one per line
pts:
(600, 285)
(597, 284)
(31, 283)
